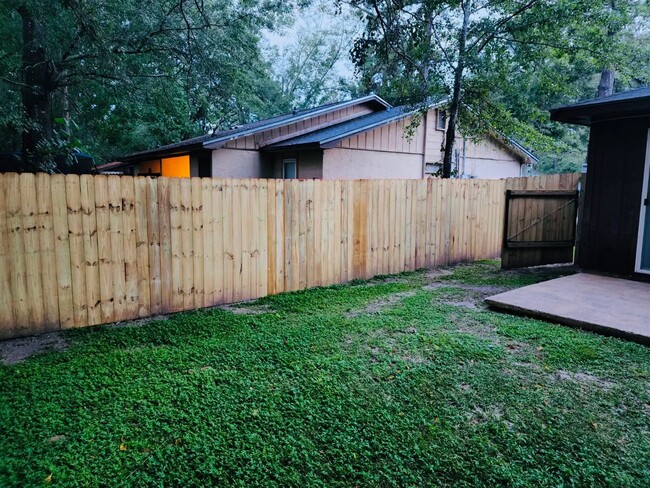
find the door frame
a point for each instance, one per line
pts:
(644, 214)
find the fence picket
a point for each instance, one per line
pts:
(32, 252)
(6, 298)
(91, 251)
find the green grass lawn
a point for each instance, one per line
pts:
(405, 380)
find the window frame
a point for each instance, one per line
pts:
(441, 113)
(288, 160)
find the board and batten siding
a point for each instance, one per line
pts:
(383, 152)
(254, 142)
(434, 138)
(487, 158)
(613, 196)
(388, 138)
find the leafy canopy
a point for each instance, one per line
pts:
(508, 61)
(135, 74)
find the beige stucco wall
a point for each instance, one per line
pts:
(489, 159)
(489, 169)
(351, 164)
(237, 163)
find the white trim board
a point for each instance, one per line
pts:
(644, 212)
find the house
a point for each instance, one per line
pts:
(615, 227)
(355, 139)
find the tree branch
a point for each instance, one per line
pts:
(479, 44)
(14, 83)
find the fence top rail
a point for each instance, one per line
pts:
(467, 180)
(542, 193)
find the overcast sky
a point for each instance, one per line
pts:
(320, 15)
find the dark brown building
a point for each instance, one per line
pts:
(615, 227)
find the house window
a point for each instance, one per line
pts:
(441, 120)
(289, 168)
(433, 168)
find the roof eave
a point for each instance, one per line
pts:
(290, 147)
(589, 114)
(219, 142)
(160, 153)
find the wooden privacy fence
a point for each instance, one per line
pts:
(85, 250)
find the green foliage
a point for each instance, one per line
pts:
(140, 74)
(405, 381)
(520, 60)
(310, 69)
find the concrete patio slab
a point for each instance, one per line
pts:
(601, 304)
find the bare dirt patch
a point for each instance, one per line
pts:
(485, 414)
(388, 280)
(563, 375)
(583, 378)
(531, 366)
(17, 350)
(241, 308)
(471, 297)
(413, 359)
(380, 304)
(471, 304)
(139, 322)
(478, 289)
(435, 273)
(467, 325)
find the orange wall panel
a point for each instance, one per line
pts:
(178, 167)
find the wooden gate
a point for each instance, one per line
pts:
(540, 227)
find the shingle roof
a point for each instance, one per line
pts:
(214, 137)
(344, 129)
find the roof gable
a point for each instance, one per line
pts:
(329, 135)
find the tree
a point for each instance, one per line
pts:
(91, 57)
(472, 50)
(313, 69)
(623, 39)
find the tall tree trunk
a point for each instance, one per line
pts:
(36, 90)
(608, 74)
(426, 70)
(454, 105)
(606, 85)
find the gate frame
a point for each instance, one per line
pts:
(571, 195)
